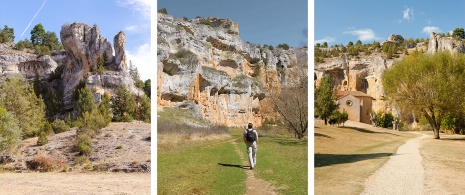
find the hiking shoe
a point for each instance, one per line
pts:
(251, 168)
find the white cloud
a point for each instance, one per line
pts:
(365, 34)
(408, 14)
(131, 28)
(142, 6)
(428, 29)
(326, 39)
(141, 58)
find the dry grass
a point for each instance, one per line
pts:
(346, 156)
(45, 163)
(170, 134)
(444, 163)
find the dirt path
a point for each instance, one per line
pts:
(402, 174)
(75, 183)
(254, 185)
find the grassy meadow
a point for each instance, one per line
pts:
(346, 156)
(211, 165)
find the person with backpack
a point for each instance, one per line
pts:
(251, 141)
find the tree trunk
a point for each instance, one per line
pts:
(326, 121)
(436, 133)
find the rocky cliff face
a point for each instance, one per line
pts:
(82, 46)
(204, 61)
(30, 65)
(439, 43)
(357, 74)
(364, 73)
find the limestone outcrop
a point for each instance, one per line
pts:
(357, 74)
(204, 61)
(439, 43)
(82, 46)
(13, 61)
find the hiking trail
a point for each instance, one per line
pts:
(403, 173)
(254, 185)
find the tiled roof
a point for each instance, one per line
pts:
(341, 94)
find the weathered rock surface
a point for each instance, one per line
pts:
(357, 74)
(438, 43)
(13, 61)
(83, 45)
(204, 60)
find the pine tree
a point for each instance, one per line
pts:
(124, 105)
(10, 134)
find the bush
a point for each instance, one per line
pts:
(59, 126)
(10, 133)
(84, 144)
(92, 121)
(284, 46)
(44, 163)
(42, 139)
(47, 128)
(384, 119)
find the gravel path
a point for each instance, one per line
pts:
(402, 174)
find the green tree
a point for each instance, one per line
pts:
(10, 134)
(144, 109)
(350, 44)
(459, 32)
(37, 34)
(86, 101)
(7, 35)
(105, 108)
(163, 11)
(284, 46)
(325, 44)
(430, 85)
(124, 105)
(50, 40)
(147, 87)
(17, 96)
(42, 139)
(135, 76)
(325, 99)
(59, 126)
(100, 67)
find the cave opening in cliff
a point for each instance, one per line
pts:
(172, 97)
(229, 63)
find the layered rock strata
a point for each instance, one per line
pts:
(204, 61)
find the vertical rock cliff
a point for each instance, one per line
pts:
(204, 61)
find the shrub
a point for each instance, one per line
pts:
(384, 119)
(284, 46)
(84, 144)
(163, 11)
(44, 163)
(80, 160)
(42, 139)
(59, 126)
(205, 21)
(47, 128)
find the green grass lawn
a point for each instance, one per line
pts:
(197, 169)
(282, 161)
(214, 167)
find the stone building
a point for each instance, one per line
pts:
(358, 105)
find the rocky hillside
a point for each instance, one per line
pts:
(205, 63)
(82, 46)
(364, 72)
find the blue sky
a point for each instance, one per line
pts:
(111, 16)
(270, 22)
(341, 21)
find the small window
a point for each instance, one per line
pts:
(349, 103)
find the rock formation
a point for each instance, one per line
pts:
(82, 46)
(204, 61)
(439, 43)
(30, 65)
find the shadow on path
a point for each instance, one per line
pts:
(236, 166)
(322, 160)
(367, 131)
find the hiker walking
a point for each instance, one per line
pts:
(250, 140)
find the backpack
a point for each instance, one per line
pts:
(250, 136)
